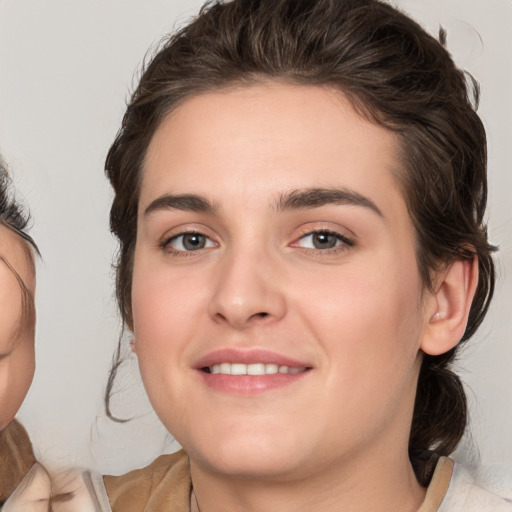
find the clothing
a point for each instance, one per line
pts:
(469, 496)
(86, 492)
(165, 485)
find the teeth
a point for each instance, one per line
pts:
(253, 369)
(238, 369)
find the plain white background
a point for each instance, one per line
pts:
(66, 69)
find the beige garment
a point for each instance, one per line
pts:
(438, 485)
(165, 485)
(16, 458)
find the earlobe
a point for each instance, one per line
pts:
(449, 306)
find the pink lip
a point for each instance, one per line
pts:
(251, 356)
(248, 384)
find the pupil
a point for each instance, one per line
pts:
(324, 241)
(193, 241)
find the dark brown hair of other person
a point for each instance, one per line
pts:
(12, 215)
(396, 75)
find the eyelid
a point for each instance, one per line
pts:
(164, 243)
(339, 240)
(347, 241)
(208, 242)
(184, 229)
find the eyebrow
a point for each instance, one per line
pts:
(316, 197)
(292, 200)
(185, 202)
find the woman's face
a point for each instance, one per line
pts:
(272, 237)
(16, 329)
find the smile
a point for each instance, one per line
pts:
(252, 369)
(248, 372)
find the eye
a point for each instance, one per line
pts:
(186, 242)
(323, 240)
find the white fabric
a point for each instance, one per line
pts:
(101, 492)
(32, 494)
(466, 495)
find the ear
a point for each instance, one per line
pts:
(133, 346)
(447, 308)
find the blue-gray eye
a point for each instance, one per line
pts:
(190, 242)
(322, 240)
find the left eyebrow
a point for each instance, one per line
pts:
(316, 197)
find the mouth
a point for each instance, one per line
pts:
(249, 372)
(253, 369)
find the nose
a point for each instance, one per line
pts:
(248, 291)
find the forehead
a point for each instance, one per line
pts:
(266, 138)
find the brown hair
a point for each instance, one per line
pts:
(395, 74)
(16, 458)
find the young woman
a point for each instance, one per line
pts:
(300, 190)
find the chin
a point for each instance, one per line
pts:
(250, 464)
(247, 455)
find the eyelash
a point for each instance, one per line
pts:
(342, 243)
(166, 244)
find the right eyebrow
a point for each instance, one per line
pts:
(185, 202)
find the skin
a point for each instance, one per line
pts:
(17, 362)
(356, 313)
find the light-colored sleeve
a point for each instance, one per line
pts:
(100, 492)
(81, 491)
(86, 492)
(466, 495)
(32, 494)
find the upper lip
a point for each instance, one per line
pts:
(248, 356)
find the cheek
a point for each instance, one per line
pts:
(10, 309)
(368, 324)
(369, 317)
(166, 318)
(165, 311)
(16, 373)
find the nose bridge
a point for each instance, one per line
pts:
(248, 289)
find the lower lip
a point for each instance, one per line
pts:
(249, 384)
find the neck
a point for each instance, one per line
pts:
(383, 486)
